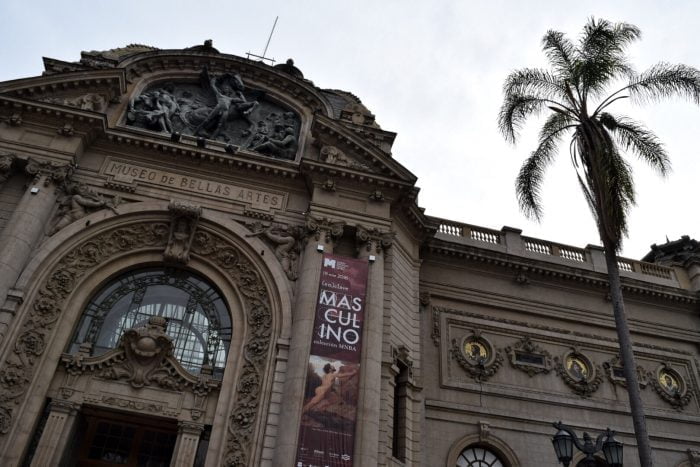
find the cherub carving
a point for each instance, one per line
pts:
(287, 245)
(79, 201)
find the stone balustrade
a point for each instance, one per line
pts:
(509, 240)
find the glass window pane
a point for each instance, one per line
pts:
(197, 317)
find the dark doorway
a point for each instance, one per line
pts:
(111, 438)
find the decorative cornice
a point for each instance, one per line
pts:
(214, 153)
(32, 87)
(555, 271)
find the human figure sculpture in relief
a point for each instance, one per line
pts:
(156, 108)
(286, 246)
(78, 202)
(230, 103)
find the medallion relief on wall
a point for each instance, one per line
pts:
(218, 107)
(670, 385)
(579, 372)
(476, 355)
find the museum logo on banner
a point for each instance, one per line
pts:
(327, 431)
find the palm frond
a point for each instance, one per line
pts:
(635, 137)
(529, 181)
(534, 82)
(561, 53)
(514, 111)
(663, 81)
(602, 50)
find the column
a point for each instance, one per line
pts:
(372, 244)
(322, 233)
(27, 226)
(57, 434)
(185, 449)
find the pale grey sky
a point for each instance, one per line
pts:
(430, 71)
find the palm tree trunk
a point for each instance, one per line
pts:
(629, 365)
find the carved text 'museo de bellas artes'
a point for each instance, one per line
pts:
(129, 173)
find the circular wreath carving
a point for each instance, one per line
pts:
(579, 372)
(477, 356)
(670, 385)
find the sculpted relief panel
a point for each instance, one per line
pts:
(219, 108)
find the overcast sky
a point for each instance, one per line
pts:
(431, 71)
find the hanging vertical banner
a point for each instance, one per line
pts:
(327, 432)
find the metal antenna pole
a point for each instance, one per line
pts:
(269, 38)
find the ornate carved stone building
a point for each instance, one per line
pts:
(163, 215)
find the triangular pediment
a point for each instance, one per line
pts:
(346, 148)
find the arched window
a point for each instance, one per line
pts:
(198, 319)
(475, 456)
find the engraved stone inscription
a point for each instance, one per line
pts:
(128, 173)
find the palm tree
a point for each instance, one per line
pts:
(573, 94)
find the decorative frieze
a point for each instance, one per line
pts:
(218, 107)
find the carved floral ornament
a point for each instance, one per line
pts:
(20, 364)
(476, 355)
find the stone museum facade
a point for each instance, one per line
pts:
(167, 219)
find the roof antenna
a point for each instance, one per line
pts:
(262, 57)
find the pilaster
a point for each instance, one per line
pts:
(185, 450)
(322, 234)
(27, 225)
(57, 433)
(372, 245)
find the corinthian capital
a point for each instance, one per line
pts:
(56, 172)
(371, 238)
(329, 229)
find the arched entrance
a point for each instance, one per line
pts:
(64, 278)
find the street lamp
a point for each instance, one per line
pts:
(565, 440)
